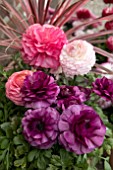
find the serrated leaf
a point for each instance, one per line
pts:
(4, 144)
(20, 150)
(52, 167)
(64, 157)
(107, 166)
(56, 160)
(20, 162)
(31, 155)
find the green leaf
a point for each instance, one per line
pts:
(52, 167)
(4, 144)
(5, 126)
(56, 160)
(47, 153)
(2, 156)
(31, 155)
(64, 157)
(20, 162)
(41, 162)
(91, 168)
(18, 140)
(107, 165)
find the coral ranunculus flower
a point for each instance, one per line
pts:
(42, 45)
(40, 127)
(81, 129)
(77, 58)
(14, 84)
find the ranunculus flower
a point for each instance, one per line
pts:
(14, 84)
(39, 90)
(108, 1)
(81, 129)
(40, 127)
(70, 95)
(104, 88)
(107, 11)
(109, 25)
(41, 45)
(103, 103)
(84, 13)
(77, 58)
(109, 43)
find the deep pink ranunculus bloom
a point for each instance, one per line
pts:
(109, 25)
(84, 13)
(107, 11)
(42, 44)
(104, 88)
(108, 1)
(81, 129)
(40, 127)
(109, 43)
(39, 90)
(14, 84)
(70, 95)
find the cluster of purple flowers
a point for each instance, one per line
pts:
(58, 113)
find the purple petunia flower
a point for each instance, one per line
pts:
(40, 127)
(39, 90)
(81, 129)
(70, 95)
(104, 88)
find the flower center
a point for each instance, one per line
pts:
(40, 126)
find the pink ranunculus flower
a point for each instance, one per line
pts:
(42, 45)
(77, 58)
(14, 84)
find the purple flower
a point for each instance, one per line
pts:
(104, 88)
(70, 95)
(39, 90)
(40, 127)
(81, 129)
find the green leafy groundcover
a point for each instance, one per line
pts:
(17, 154)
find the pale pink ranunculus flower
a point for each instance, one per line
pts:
(42, 45)
(14, 84)
(77, 58)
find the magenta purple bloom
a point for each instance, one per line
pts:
(70, 95)
(104, 88)
(81, 129)
(40, 127)
(39, 90)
